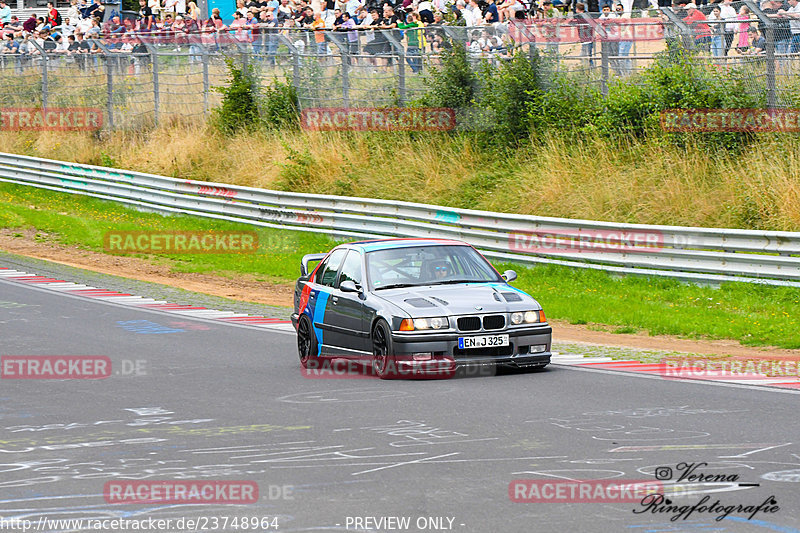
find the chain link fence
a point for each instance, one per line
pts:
(140, 80)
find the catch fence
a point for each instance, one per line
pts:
(139, 80)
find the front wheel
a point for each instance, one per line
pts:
(306, 341)
(382, 356)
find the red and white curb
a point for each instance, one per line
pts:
(670, 371)
(85, 291)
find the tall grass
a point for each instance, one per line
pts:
(561, 176)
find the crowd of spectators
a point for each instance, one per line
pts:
(721, 26)
(726, 27)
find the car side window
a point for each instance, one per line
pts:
(351, 269)
(326, 275)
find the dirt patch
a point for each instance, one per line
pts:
(243, 287)
(248, 289)
(566, 332)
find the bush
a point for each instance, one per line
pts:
(510, 92)
(454, 84)
(280, 108)
(239, 108)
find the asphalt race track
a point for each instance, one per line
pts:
(203, 400)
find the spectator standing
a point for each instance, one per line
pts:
(624, 65)
(146, 19)
(425, 11)
(349, 25)
(741, 38)
(318, 25)
(30, 24)
(490, 14)
(585, 32)
(471, 13)
(74, 12)
(193, 12)
(697, 22)
(10, 45)
(610, 48)
(53, 16)
(782, 32)
(238, 25)
(351, 7)
(717, 32)
(387, 24)
(728, 13)
(793, 14)
(412, 34)
(67, 28)
(5, 13)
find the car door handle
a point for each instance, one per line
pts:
(335, 299)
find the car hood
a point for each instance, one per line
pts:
(458, 299)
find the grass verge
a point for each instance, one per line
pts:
(754, 315)
(558, 175)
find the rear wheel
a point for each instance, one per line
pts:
(382, 356)
(306, 341)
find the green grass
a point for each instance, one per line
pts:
(80, 220)
(752, 314)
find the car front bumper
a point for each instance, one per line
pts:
(528, 346)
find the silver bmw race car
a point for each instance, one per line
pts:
(412, 303)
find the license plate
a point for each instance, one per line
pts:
(482, 341)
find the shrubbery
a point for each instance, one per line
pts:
(239, 109)
(245, 108)
(527, 96)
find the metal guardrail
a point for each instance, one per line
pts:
(695, 254)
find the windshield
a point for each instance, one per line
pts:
(427, 265)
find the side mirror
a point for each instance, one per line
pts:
(349, 286)
(509, 276)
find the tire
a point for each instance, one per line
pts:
(306, 341)
(382, 348)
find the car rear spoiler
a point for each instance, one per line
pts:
(307, 259)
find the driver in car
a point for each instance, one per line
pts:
(441, 270)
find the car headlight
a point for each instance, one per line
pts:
(439, 322)
(529, 317)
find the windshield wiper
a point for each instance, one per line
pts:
(396, 286)
(451, 281)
